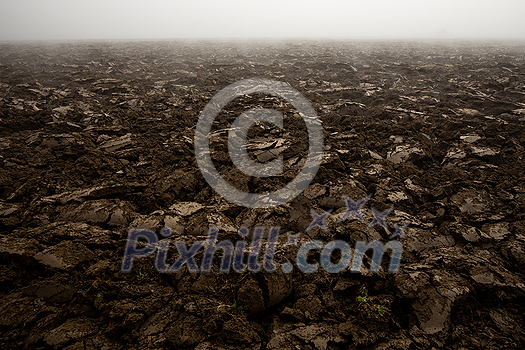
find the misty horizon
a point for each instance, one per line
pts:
(31, 20)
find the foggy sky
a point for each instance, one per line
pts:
(160, 19)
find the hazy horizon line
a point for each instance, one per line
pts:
(218, 39)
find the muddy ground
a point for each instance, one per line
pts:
(96, 138)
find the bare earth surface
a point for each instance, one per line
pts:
(97, 138)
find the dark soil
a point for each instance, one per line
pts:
(97, 138)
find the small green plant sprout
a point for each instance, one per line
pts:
(362, 299)
(380, 310)
(232, 307)
(139, 273)
(17, 283)
(237, 308)
(363, 294)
